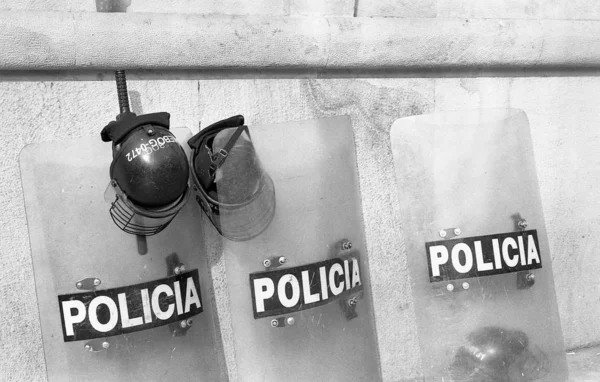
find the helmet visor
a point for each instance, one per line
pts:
(232, 186)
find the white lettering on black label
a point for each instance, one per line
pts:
(103, 313)
(150, 147)
(304, 287)
(483, 255)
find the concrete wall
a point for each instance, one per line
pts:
(563, 119)
(563, 116)
(224, 7)
(502, 9)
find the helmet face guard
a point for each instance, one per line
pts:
(149, 173)
(229, 183)
(136, 220)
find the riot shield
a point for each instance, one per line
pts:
(299, 291)
(477, 248)
(108, 312)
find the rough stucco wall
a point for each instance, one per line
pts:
(503, 9)
(563, 119)
(498, 9)
(225, 7)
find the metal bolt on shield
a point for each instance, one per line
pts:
(522, 224)
(96, 282)
(450, 287)
(290, 321)
(457, 231)
(105, 345)
(274, 323)
(79, 285)
(189, 321)
(466, 285)
(267, 263)
(346, 245)
(530, 277)
(183, 324)
(88, 347)
(282, 260)
(442, 233)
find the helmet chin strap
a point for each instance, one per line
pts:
(219, 157)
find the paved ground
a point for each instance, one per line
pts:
(584, 365)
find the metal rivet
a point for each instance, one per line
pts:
(352, 301)
(105, 345)
(182, 268)
(450, 287)
(96, 282)
(274, 323)
(442, 233)
(189, 321)
(183, 324)
(150, 132)
(267, 264)
(177, 270)
(113, 183)
(465, 285)
(457, 231)
(530, 277)
(522, 224)
(290, 321)
(346, 245)
(88, 347)
(282, 260)
(79, 285)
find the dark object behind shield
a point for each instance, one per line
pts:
(475, 170)
(149, 171)
(494, 354)
(232, 188)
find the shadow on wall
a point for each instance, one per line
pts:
(135, 100)
(112, 5)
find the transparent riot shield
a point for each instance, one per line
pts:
(477, 248)
(108, 312)
(299, 291)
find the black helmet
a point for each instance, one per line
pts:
(497, 354)
(229, 182)
(149, 173)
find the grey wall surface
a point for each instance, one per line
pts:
(504, 9)
(563, 119)
(562, 112)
